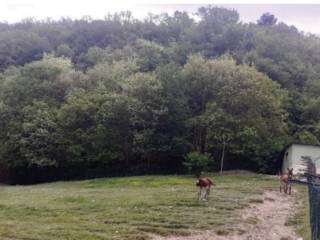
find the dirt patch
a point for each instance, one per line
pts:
(264, 220)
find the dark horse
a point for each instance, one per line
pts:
(285, 181)
(204, 184)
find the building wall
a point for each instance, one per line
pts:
(287, 159)
(294, 154)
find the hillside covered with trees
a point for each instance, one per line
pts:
(85, 98)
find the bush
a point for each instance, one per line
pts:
(197, 162)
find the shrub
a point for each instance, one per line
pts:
(197, 162)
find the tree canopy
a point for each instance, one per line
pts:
(125, 96)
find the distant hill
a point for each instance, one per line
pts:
(124, 96)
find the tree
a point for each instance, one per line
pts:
(37, 141)
(63, 50)
(151, 114)
(112, 76)
(197, 162)
(123, 94)
(267, 19)
(19, 47)
(40, 80)
(222, 128)
(218, 16)
(232, 104)
(117, 115)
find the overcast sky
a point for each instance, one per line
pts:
(305, 17)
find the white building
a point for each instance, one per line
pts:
(292, 157)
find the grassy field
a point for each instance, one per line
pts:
(125, 208)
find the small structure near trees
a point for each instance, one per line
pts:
(294, 154)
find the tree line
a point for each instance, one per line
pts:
(82, 98)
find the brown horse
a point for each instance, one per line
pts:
(204, 184)
(285, 181)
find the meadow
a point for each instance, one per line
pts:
(130, 207)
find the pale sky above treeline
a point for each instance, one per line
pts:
(305, 17)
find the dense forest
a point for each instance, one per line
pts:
(86, 98)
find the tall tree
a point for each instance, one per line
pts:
(267, 19)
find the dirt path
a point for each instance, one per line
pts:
(262, 221)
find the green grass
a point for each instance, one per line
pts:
(300, 220)
(125, 208)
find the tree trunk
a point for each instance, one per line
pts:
(126, 152)
(222, 156)
(203, 137)
(148, 162)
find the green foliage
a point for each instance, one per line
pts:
(306, 137)
(232, 104)
(197, 162)
(267, 19)
(135, 96)
(63, 50)
(37, 142)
